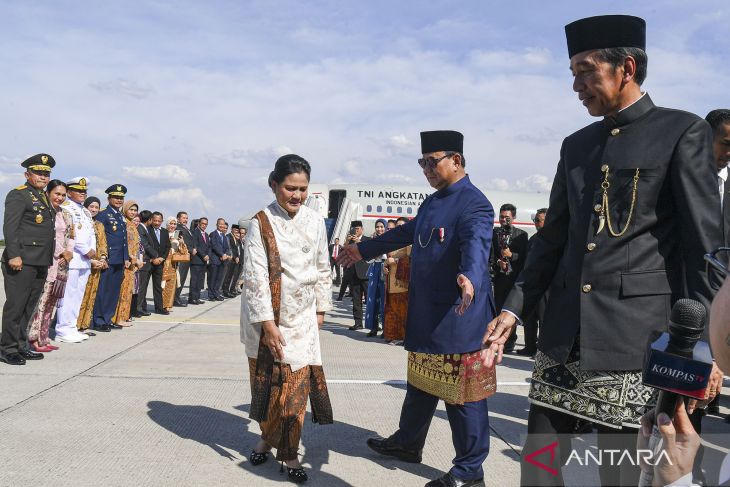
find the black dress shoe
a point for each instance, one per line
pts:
(356, 327)
(195, 302)
(114, 326)
(386, 446)
(144, 313)
(162, 312)
(30, 355)
(449, 480)
(179, 304)
(373, 333)
(103, 328)
(526, 352)
(220, 298)
(12, 359)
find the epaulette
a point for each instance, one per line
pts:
(65, 203)
(103, 209)
(22, 187)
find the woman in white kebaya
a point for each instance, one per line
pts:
(286, 291)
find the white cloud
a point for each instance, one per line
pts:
(251, 158)
(123, 87)
(498, 184)
(169, 174)
(534, 183)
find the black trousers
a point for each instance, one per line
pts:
(182, 269)
(144, 281)
(229, 281)
(155, 273)
(545, 427)
(197, 281)
(22, 290)
(215, 280)
(358, 288)
(336, 267)
(531, 324)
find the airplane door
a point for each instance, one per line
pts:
(337, 197)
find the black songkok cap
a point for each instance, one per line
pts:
(39, 162)
(116, 190)
(235, 226)
(356, 223)
(442, 140)
(605, 31)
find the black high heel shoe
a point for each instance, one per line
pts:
(257, 458)
(296, 475)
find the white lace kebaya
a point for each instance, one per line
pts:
(305, 284)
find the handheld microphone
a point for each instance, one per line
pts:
(677, 364)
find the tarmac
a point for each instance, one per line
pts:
(165, 403)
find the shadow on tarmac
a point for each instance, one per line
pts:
(222, 431)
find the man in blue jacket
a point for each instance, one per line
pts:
(118, 258)
(220, 253)
(450, 304)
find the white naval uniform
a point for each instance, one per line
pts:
(79, 269)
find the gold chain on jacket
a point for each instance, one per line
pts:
(605, 216)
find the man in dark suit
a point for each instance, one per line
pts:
(357, 275)
(160, 239)
(110, 283)
(150, 253)
(232, 267)
(532, 322)
(220, 253)
(506, 259)
(334, 250)
(183, 267)
(633, 209)
(199, 260)
(29, 232)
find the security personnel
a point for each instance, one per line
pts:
(633, 209)
(79, 268)
(29, 232)
(450, 302)
(118, 259)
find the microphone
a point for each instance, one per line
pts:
(677, 364)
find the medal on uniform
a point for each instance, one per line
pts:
(79, 226)
(306, 249)
(39, 218)
(442, 234)
(114, 228)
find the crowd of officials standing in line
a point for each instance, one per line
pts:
(72, 268)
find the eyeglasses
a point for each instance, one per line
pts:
(718, 263)
(431, 162)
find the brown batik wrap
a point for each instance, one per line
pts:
(266, 374)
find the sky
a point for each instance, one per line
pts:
(189, 104)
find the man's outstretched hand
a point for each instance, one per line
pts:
(349, 255)
(467, 294)
(498, 331)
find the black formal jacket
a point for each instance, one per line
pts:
(518, 246)
(144, 239)
(202, 247)
(152, 248)
(233, 246)
(29, 227)
(726, 213)
(614, 291)
(187, 236)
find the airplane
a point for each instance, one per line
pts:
(340, 204)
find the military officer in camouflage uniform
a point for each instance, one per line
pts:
(29, 232)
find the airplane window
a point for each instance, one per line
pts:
(410, 210)
(370, 208)
(390, 209)
(380, 208)
(400, 209)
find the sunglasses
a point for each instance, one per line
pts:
(718, 259)
(431, 162)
